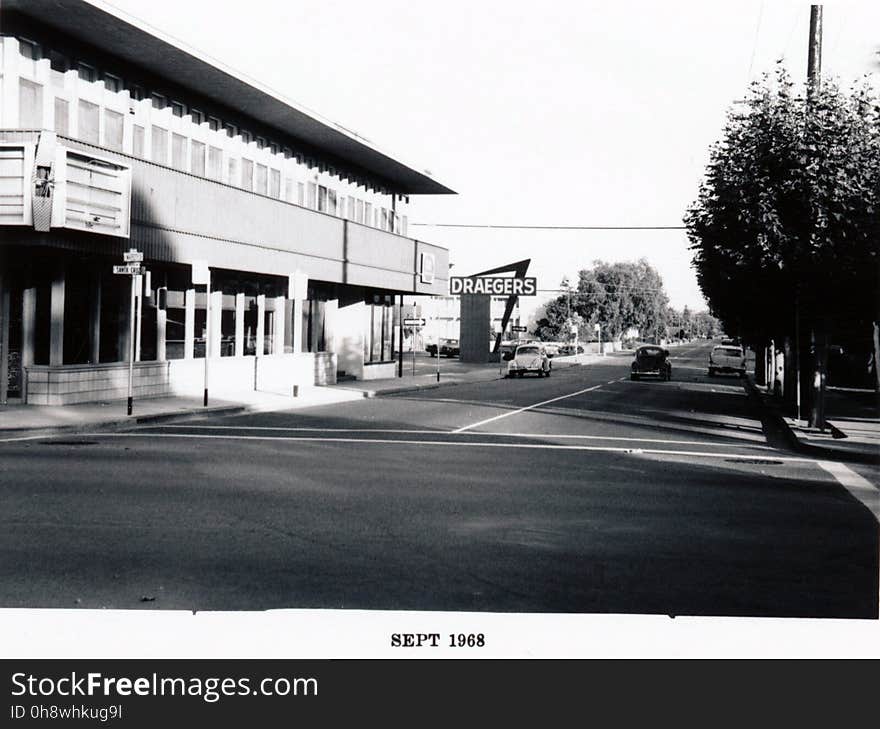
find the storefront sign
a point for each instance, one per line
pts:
(494, 285)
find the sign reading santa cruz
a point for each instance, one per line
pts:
(494, 285)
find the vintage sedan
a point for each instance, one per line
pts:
(529, 358)
(651, 361)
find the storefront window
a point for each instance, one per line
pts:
(379, 339)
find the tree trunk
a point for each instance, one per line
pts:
(761, 365)
(877, 355)
(819, 342)
(789, 381)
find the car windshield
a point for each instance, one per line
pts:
(649, 352)
(730, 351)
(527, 350)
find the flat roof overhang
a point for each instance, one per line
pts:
(108, 30)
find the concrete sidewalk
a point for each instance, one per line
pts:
(854, 426)
(35, 420)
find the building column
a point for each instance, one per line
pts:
(95, 320)
(261, 324)
(123, 333)
(298, 323)
(161, 333)
(4, 337)
(189, 323)
(278, 333)
(331, 309)
(215, 325)
(28, 326)
(239, 325)
(56, 326)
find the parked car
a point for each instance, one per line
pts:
(529, 358)
(449, 348)
(653, 361)
(569, 349)
(725, 358)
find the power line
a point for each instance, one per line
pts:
(552, 227)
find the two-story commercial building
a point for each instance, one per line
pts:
(113, 139)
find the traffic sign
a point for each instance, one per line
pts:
(413, 322)
(133, 256)
(519, 329)
(133, 269)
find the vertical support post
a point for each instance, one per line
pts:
(207, 334)
(4, 337)
(131, 355)
(56, 331)
(278, 330)
(161, 333)
(261, 325)
(239, 324)
(139, 310)
(95, 319)
(400, 341)
(189, 323)
(28, 326)
(216, 323)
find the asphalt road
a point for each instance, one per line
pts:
(582, 492)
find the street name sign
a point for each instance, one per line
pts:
(133, 256)
(130, 269)
(413, 322)
(494, 285)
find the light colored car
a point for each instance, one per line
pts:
(529, 358)
(725, 358)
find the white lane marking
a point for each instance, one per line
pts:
(530, 407)
(33, 437)
(565, 436)
(458, 443)
(856, 484)
(293, 430)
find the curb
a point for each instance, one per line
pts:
(121, 423)
(779, 433)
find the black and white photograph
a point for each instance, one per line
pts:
(461, 329)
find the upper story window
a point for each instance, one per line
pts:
(112, 83)
(245, 136)
(136, 92)
(214, 124)
(178, 109)
(261, 143)
(231, 130)
(158, 101)
(30, 53)
(273, 147)
(288, 152)
(87, 72)
(59, 65)
(196, 116)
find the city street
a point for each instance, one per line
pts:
(581, 492)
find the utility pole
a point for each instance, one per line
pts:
(815, 386)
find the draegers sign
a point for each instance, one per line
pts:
(493, 285)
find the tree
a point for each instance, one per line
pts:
(785, 229)
(622, 296)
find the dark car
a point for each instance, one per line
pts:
(653, 361)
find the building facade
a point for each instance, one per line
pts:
(113, 139)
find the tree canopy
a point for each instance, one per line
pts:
(788, 211)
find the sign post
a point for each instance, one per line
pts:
(132, 267)
(598, 329)
(416, 324)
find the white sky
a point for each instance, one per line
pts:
(559, 113)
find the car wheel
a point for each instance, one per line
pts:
(711, 372)
(634, 377)
(519, 374)
(547, 373)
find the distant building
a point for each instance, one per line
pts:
(443, 318)
(112, 138)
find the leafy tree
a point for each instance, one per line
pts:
(785, 229)
(621, 296)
